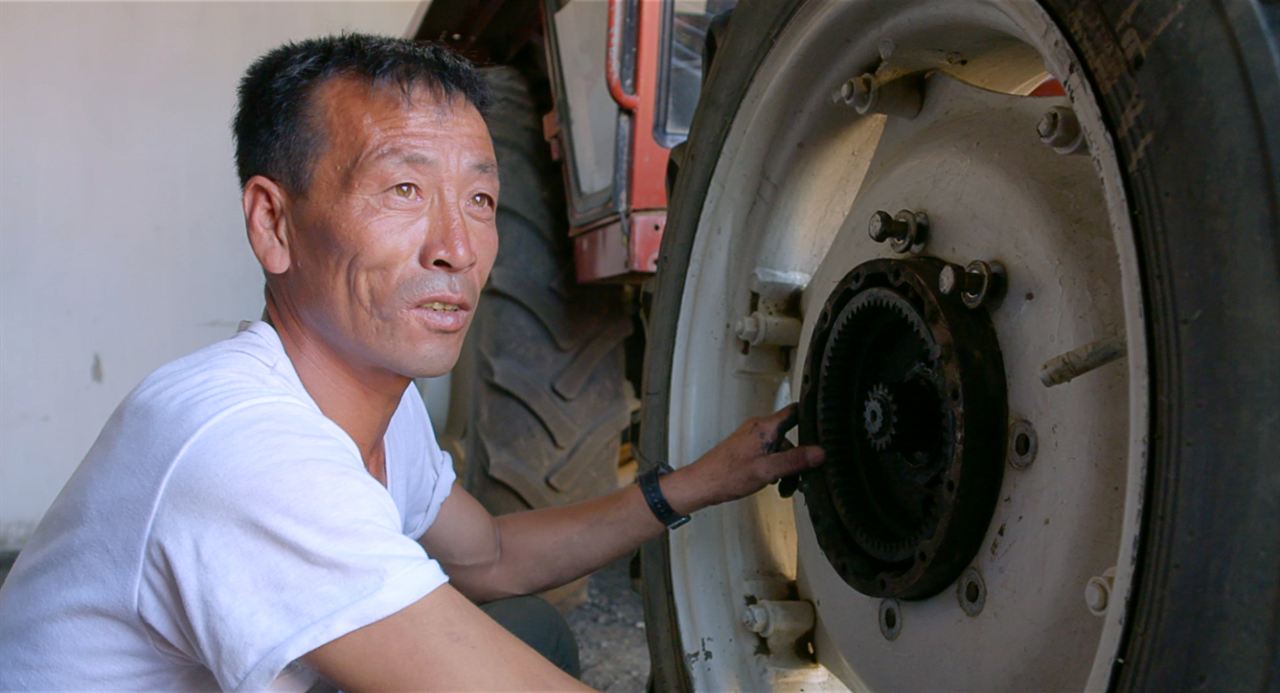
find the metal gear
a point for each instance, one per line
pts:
(886, 502)
(880, 416)
(902, 386)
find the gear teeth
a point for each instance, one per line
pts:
(835, 370)
(882, 399)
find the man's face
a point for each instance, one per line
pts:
(396, 235)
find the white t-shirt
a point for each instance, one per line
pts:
(220, 528)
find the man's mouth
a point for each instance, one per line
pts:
(439, 306)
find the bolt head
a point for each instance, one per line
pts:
(1097, 592)
(748, 328)
(947, 280)
(848, 89)
(755, 618)
(878, 227)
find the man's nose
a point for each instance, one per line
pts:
(448, 242)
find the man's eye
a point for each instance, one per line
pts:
(484, 200)
(407, 191)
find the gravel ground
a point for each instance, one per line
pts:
(610, 632)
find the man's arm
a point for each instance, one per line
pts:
(490, 558)
(441, 642)
(444, 642)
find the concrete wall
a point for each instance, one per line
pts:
(121, 238)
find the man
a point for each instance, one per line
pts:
(274, 508)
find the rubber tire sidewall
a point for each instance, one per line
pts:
(1200, 169)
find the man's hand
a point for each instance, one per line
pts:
(753, 457)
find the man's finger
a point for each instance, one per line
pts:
(780, 444)
(784, 419)
(795, 460)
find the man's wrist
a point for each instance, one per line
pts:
(656, 498)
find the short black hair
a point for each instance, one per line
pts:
(275, 133)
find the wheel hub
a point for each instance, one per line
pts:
(904, 388)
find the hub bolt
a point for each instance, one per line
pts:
(906, 231)
(948, 278)
(979, 283)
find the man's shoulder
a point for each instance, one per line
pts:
(249, 368)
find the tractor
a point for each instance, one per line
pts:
(1018, 261)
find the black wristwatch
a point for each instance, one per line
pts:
(657, 502)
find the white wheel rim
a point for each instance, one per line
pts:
(792, 191)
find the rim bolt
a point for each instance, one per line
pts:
(784, 620)
(748, 328)
(866, 93)
(1060, 128)
(1097, 592)
(906, 231)
(774, 330)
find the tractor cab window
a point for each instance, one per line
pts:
(684, 35)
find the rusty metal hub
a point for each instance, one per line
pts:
(904, 387)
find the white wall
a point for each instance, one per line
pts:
(121, 240)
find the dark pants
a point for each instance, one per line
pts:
(541, 627)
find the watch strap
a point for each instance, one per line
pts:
(652, 492)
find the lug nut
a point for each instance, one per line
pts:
(1059, 128)
(1047, 126)
(906, 231)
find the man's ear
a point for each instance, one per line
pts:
(267, 223)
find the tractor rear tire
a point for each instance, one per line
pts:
(538, 398)
(1184, 90)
